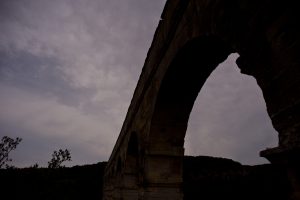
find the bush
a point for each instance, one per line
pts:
(58, 157)
(6, 146)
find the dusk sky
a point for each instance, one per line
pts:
(68, 70)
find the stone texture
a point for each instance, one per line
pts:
(192, 38)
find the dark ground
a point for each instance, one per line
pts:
(208, 178)
(78, 182)
(205, 178)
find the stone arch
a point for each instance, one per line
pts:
(133, 148)
(177, 93)
(203, 33)
(180, 87)
(131, 161)
(119, 165)
(131, 168)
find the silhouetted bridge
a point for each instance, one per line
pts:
(192, 38)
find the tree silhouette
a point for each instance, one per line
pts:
(6, 146)
(58, 157)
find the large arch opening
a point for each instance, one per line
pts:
(229, 118)
(177, 93)
(174, 102)
(180, 87)
(128, 179)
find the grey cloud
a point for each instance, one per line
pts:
(55, 124)
(40, 75)
(93, 34)
(68, 69)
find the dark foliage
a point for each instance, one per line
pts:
(204, 178)
(58, 157)
(7, 144)
(75, 183)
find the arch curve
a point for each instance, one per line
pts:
(192, 38)
(180, 86)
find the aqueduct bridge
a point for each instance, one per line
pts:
(192, 38)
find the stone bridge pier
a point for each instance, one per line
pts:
(192, 38)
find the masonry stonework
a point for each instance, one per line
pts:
(192, 38)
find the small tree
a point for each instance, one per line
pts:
(35, 166)
(7, 144)
(58, 157)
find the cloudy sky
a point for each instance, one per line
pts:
(68, 69)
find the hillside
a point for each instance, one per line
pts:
(205, 178)
(78, 182)
(208, 178)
